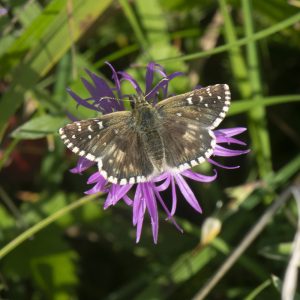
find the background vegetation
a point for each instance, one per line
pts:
(86, 253)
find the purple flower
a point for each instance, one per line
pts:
(3, 11)
(147, 195)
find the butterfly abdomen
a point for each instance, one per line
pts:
(147, 125)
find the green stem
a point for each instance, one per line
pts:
(255, 37)
(45, 222)
(257, 115)
(242, 106)
(134, 24)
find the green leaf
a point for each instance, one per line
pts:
(44, 43)
(38, 127)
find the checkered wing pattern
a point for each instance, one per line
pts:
(187, 125)
(112, 142)
(207, 106)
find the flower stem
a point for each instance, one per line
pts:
(45, 222)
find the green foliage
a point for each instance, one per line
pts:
(56, 247)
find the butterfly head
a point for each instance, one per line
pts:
(139, 100)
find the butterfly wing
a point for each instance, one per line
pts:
(186, 144)
(207, 106)
(187, 125)
(113, 143)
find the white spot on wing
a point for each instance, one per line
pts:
(100, 164)
(189, 100)
(123, 181)
(201, 159)
(194, 163)
(103, 173)
(90, 156)
(75, 149)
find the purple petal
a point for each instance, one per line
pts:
(140, 221)
(164, 185)
(3, 12)
(161, 177)
(229, 140)
(138, 211)
(91, 89)
(199, 177)
(170, 77)
(81, 101)
(152, 208)
(133, 82)
(170, 217)
(110, 197)
(162, 83)
(98, 187)
(149, 76)
(221, 151)
(127, 200)
(174, 197)
(82, 165)
(160, 69)
(116, 80)
(101, 87)
(222, 166)
(230, 131)
(187, 192)
(136, 204)
(121, 191)
(100, 90)
(95, 177)
(116, 193)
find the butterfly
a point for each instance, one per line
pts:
(134, 146)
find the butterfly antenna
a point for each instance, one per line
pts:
(117, 99)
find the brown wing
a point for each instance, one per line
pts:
(207, 106)
(186, 144)
(112, 142)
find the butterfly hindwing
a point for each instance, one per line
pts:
(186, 143)
(208, 106)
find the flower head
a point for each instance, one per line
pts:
(147, 195)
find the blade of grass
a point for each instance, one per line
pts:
(257, 115)
(241, 42)
(7, 152)
(254, 294)
(44, 223)
(44, 55)
(242, 106)
(134, 24)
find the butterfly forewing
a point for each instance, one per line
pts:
(112, 142)
(208, 106)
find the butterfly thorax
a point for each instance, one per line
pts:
(147, 124)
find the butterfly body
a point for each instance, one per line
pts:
(135, 146)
